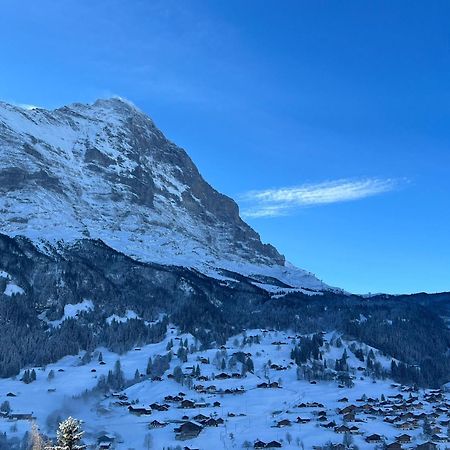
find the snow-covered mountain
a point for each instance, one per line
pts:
(105, 171)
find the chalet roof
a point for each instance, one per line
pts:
(426, 446)
(210, 422)
(259, 444)
(284, 422)
(21, 415)
(106, 438)
(403, 438)
(189, 426)
(373, 437)
(393, 446)
(439, 437)
(300, 419)
(200, 417)
(348, 409)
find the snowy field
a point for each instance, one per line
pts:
(249, 414)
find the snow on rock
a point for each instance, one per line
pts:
(105, 171)
(12, 289)
(71, 311)
(128, 315)
(4, 274)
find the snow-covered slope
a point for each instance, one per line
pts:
(300, 412)
(105, 171)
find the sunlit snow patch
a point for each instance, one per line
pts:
(13, 289)
(128, 315)
(71, 311)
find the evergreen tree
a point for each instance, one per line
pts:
(5, 407)
(394, 369)
(178, 374)
(69, 435)
(87, 358)
(119, 378)
(26, 377)
(345, 355)
(149, 367)
(182, 353)
(102, 384)
(110, 378)
(359, 354)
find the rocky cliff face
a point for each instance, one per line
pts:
(104, 171)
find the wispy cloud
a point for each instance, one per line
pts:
(284, 201)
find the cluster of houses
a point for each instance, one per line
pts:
(188, 428)
(406, 412)
(410, 412)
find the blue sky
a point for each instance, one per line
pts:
(328, 121)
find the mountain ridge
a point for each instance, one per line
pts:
(105, 171)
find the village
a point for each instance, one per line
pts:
(248, 393)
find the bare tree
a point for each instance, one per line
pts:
(289, 437)
(37, 442)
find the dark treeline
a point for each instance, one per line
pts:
(27, 340)
(407, 328)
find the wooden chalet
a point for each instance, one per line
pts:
(374, 439)
(188, 430)
(139, 411)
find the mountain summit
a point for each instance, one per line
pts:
(105, 171)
